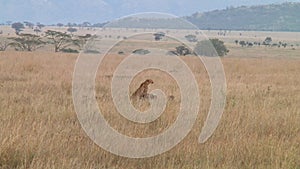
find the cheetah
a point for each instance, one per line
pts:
(142, 91)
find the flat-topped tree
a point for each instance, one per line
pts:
(242, 43)
(183, 50)
(72, 30)
(27, 42)
(39, 25)
(4, 44)
(29, 24)
(86, 24)
(37, 30)
(61, 40)
(191, 38)
(82, 40)
(18, 26)
(267, 41)
(159, 35)
(60, 24)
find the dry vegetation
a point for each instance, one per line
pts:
(259, 129)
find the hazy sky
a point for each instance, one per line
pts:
(54, 11)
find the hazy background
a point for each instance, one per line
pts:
(54, 11)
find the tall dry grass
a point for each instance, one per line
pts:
(259, 129)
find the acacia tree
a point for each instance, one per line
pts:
(267, 41)
(211, 47)
(159, 35)
(182, 51)
(18, 26)
(242, 43)
(29, 24)
(39, 25)
(37, 30)
(72, 30)
(236, 42)
(86, 24)
(191, 38)
(61, 40)
(4, 43)
(60, 24)
(83, 39)
(27, 42)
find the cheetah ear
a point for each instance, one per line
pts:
(149, 81)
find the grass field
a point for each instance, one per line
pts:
(259, 129)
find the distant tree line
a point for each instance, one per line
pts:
(268, 42)
(39, 25)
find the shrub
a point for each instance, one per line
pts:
(211, 47)
(180, 51)
(121, 53)
(91, 51)
(141, 51)
(191, 38)
(69, 50)
(159, 35)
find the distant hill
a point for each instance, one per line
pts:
(152, 23)
(275, 17)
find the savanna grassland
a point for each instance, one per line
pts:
(259, 128)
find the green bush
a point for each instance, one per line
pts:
(211, 47)
(91, 51)
(69, 50)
